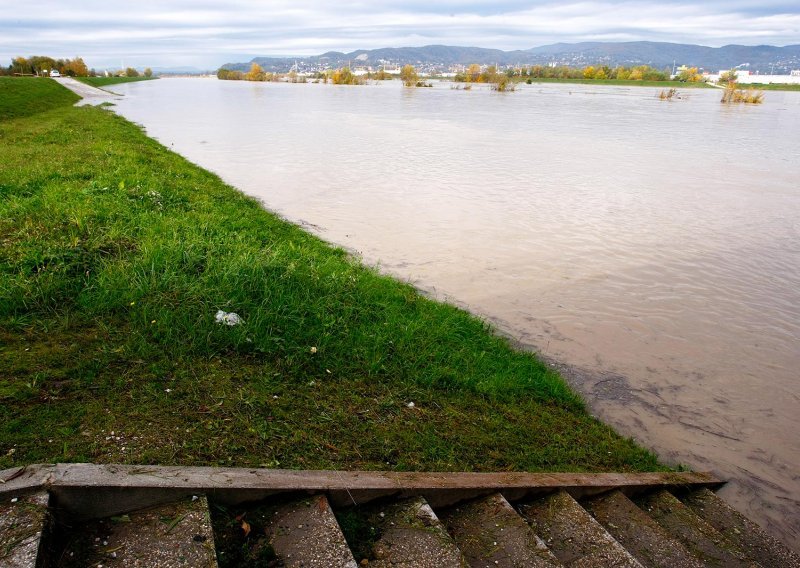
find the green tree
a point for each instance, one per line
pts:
(21, 66)
(409, 76)
(42, 63)
(148, 72)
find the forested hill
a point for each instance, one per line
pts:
(762, 58)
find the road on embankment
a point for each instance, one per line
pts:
(89, 95)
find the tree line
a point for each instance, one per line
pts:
(40, 65)
(343, 76)
(482, 74)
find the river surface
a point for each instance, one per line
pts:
(649, 248)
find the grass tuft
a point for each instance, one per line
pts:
(732, 94)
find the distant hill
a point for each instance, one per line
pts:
(761, 58)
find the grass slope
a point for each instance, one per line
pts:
(26, 96)
(103, 81)
(117, 253)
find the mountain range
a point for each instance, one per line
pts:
(760, 58)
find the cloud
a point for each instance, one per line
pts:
(207, 33)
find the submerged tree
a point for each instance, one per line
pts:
(409, 75)
(344, 76)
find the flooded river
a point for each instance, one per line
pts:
(651, 246)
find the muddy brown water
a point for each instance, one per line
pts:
(649, 248)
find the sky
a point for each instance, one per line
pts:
(207, 33)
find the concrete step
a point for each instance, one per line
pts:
(304, 533)
(634, 529)
(410, 535)
(734, 526)
(24, 523)
(699, 538)
(490, 532)
(573, 535)
(172, 535)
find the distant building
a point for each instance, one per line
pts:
(795, 73)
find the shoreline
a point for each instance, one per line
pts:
(111, 352)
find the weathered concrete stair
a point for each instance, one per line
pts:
(734, 526)
(490, 532)
(158, 516)
(642, 536)
(304, 533)
(23, 523)
(699, 538)
(412, 536)
(173, 535)
(573, 535)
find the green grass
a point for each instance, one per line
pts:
(770, 86)
(115, 255)
(103, 81)
(26, 96)
(624, 83)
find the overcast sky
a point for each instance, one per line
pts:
(207, 33)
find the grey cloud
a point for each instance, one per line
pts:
(210, 32)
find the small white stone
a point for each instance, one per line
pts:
(14, 500)
(410, 405)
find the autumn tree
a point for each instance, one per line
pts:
(728, 77)
(256, 73)
(344, 76)
(409, 76)
(148, 72)
(131, 72)
(75, 68)
(690, 75)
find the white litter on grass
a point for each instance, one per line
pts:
(228, 318)
(410, 405)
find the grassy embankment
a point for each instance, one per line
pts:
(770, 86)
(117, 253)
(103, 81)
(622, 83)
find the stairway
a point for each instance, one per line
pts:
(143, 517)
